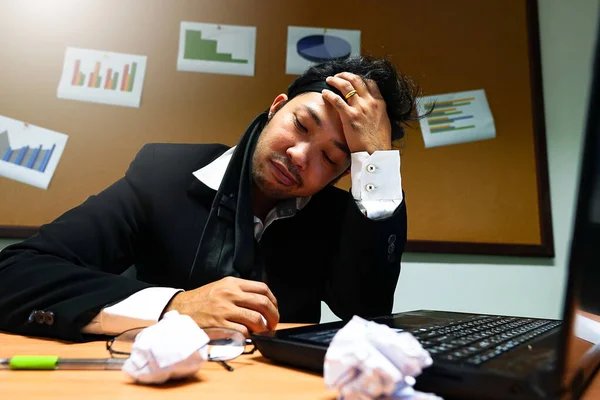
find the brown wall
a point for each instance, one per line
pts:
(482, 192)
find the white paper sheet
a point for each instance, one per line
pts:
(307, 46)
(28, 153)
(457, 118)
(587, 329)
(102, 77)
(217, 49)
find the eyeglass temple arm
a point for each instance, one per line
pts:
(225, 365)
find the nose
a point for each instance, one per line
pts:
(298, 155)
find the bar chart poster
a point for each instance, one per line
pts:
(457, 118)
(307, 46)
(28, 153)
(217, 49)
(102, 77)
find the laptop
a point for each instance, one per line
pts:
(491, 356)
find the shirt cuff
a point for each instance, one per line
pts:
(376, 176)
(378, 209)
(139, 310)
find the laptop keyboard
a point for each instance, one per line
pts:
(473, 341)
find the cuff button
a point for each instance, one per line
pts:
(40, 317)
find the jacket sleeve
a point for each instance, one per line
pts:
(365, 266)
(69, 270)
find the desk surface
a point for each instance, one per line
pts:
(254, 377)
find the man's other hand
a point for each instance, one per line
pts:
(231, 303)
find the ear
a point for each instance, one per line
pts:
(277, 103)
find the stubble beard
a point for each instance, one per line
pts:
(259, 170)
(261, 179)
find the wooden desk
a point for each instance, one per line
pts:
(254, 378)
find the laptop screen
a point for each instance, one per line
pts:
(584, 267)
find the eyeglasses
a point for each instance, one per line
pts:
(224, 344)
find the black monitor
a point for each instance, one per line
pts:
(583, 357)
(588, 222)
(585, 257)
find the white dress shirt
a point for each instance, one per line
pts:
(376, 187)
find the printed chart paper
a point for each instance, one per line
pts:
(102, 77)
(217, 49)
(28, 153)
(457, 118)
(307, 46)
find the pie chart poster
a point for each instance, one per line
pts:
(307, 46)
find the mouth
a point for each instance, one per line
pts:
(283, 175)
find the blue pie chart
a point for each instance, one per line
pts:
(319, 48)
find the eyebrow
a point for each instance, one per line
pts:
(314, 115)
(342, 146)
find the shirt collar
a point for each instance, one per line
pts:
(212, 175)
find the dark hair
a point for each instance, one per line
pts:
(399, 91)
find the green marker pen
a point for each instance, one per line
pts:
(54, 362)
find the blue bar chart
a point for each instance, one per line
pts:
(35, 158)
(29, 154)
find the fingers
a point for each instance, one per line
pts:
(258, 297)
(363, 87)
(346, 82)
(373, 88)
(340, 105)
(355, 81)
(261, 304)
(251, 319)
(343, 85)
(238, 327)
(259, 288)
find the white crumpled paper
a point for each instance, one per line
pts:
(366, 360)
(173, 348)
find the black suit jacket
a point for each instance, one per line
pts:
(153, 218)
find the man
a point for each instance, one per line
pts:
(239, 237)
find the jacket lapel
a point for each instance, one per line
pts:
(200, 192)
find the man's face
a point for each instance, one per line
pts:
(301, 149)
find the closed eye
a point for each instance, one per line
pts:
(299, 126)
(328, 160)
(304, 129)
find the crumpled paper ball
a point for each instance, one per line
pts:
(366, 360)
(173, 348)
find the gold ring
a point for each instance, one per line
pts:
(350, 94)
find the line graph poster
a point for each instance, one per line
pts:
(457, 118)
(28, 153)
(102, 77)
(307, 46)
(217, 49)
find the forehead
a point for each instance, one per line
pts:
(314, 105)
(320, 116)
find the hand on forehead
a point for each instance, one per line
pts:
(362, 111)
(346, 82)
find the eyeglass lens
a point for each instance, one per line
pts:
(224, 344)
